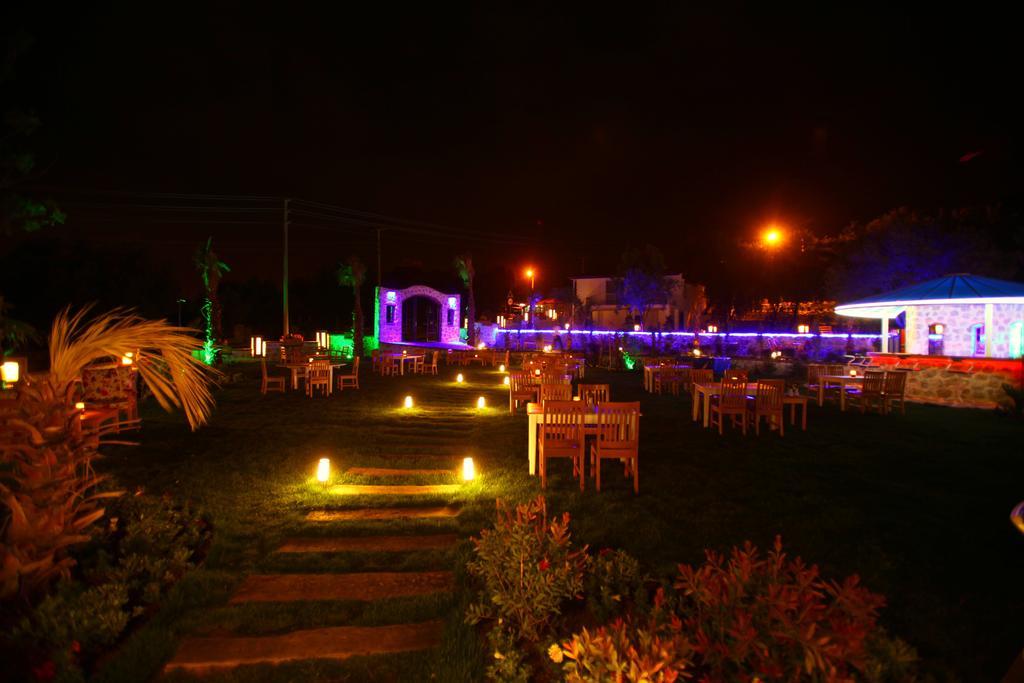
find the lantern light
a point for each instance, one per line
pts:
(567, 326)
(323, 470)
(696, 352)
(468, 470)
(391, 297)
(939, 327)
(257, 347)
(537, 372)
(481, 403)
(481, 346)
(501, 368)
(636, 328)
(712, 329)
(408, 402)
(506, 381)
(10, 371)
(459, 378)
(853, 373)
(547, 348)
(803, 329)
(128, 358)
(80, 405)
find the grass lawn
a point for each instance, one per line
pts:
(916, 505)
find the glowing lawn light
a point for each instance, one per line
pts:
(481, 403)
(537, 372)
(10, 371)
(501, 368)
(323, 470)
(547, 348)
(468, 470)
(459, 378)
(408, 402)
(506, 381)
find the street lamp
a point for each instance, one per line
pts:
(530, 273)
(772, 237)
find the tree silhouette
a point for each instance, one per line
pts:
(352, 274)
(210, 268)
(464, 266)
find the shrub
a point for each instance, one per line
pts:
(528, 569)
(614, 584)
(653, 651)
(774, 618)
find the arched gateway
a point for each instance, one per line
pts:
(417, 315)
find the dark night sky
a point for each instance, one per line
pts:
(582, 129)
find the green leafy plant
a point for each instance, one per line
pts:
(653, 650)
(527, 569)
(774, 618)
(614, 584)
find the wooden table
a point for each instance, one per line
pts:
(295, 367)
(702, 394)
(652, 370)
(388, 357)
(843, 381)
(794, 401)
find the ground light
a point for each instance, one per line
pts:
(323, 470)
(501, 368)
(468, 470)
(506, 381)
(481, 402)
(11, 372)
(408, 402)
(537, 371)
(459, 378)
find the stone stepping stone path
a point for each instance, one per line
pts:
(399, 490)
(368, 544)
(363, 514)
(366, 586)
(202, 655)
(388, 472)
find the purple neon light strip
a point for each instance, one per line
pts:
(828, 335)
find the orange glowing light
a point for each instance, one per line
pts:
(772, 236)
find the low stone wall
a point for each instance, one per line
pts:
(957, 388)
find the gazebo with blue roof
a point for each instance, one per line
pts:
(955, 315)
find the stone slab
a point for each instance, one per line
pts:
(390, 472)
(355, 586)
(399, 490)
(363, 514)
(199, 655)
(368, 544)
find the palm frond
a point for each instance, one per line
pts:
(163, 355)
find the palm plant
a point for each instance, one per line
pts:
(464, 266)
(47, 483)
(210, 268)
(352, 274)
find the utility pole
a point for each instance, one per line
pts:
(380, 277)
(284, 287)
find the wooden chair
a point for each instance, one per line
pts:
(499, 359)
(617, 438)
(393, 365)
(732, 401)
(375, 361)
(522, 388)
(350, 380)
(814, 374)
(431, 367)
(592, 394)
(700, 377)
(768, 402)
(870, 392)
(318, 375)
(895, 389)
(555, 378)
(561, 436)
(268, 382)
(735, 375)
(555, 392)
(419, 364)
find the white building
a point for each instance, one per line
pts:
(600, 299)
